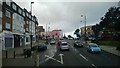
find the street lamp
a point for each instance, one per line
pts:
(31, 25)
(85, 25)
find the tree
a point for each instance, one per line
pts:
(64, 36)
(96, 29)
(69, 36)
(77, 33)
(111, 19)
(111, 22)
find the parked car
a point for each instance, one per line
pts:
(64, 46)
(42, 46)
(52, 42)
(93, 48)
(78, 44)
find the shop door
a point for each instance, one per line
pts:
(16, 41)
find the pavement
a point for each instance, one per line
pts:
(19, 59)
(110, 49)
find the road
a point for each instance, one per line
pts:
(80, 57)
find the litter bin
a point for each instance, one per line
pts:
(27, 53)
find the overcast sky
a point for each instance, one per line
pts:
(67, 15)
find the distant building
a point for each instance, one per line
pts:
(89, 31)
(55, 34)
(40, 32)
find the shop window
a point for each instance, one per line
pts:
(33, 39)
(27, 39)
(8, 42)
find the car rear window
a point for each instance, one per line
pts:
(64, 43)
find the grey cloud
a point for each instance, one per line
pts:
(67, 15)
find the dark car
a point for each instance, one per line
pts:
(78, 44)
(42, 47)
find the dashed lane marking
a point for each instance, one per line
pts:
(83, 57)
(94, 65)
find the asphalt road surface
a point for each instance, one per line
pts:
(80, 57)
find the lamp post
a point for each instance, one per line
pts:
(31, 26)
(85, 26)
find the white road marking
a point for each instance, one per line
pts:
(45, 60)
(83, 57)
(61, 61)
(61, 58)
(94, 65)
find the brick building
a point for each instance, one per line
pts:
(39, 32)
(16, 25)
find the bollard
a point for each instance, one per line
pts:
(14, 54)
(37, 61)
(6, 54)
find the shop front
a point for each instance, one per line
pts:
(7, 40)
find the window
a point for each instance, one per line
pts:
(32, 18)
(8, 25)
(19, 10)
(8, 14)
(27, 14)
(23, 13)
(14, 6)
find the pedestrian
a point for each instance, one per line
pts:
(28, 53)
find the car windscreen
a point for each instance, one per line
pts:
(93, 46)
(42, 44)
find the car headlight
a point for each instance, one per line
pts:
(92, 50)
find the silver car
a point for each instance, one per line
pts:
(64, 46)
